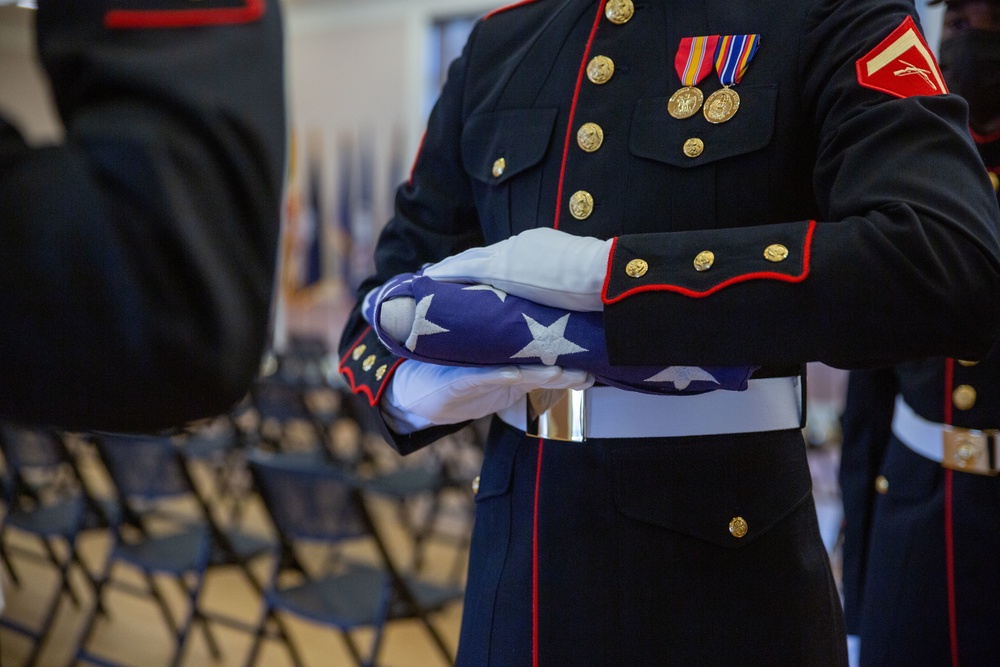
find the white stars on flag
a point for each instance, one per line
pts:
(548, 342)
(421, 325)
(682, 376)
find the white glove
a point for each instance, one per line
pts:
(544, 265)
(422, 395)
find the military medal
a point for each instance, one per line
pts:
(731, 61)
(693, 62)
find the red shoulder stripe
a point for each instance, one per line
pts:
(129, 19)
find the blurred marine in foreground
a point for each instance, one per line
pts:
(136, 258)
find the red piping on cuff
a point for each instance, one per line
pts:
(184, 18)
(984, 138)
(345, 370)
(607, 275)
(763, 275)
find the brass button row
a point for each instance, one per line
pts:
(619, 12)
(738, 527)
(590, 136)
(882, 484)
(964, 397)
(369, 362)
(705, 259)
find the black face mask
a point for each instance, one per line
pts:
(970, 62)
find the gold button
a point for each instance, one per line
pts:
(967, 363)
(600, 69)
(380, 373)
(581, 205)
(619, 12)
(358, 351)
(776, 253)
(475, 485)
(694, 147)
(881, 484)
(368, 363)
(637, 268)
(499, 167)
(704, 260)
(590, 137)
(995, 180)
(738, 527)
(964, 397)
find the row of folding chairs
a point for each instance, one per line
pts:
(178, 508)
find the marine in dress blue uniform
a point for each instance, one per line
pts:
(841, 214)
(137, 256)
(919, 458)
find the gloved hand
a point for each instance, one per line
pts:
(422, 395)
(545, 265)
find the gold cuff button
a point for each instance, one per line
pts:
(995, 180)
(581, 205)
(600, 69)
(881, 484)
(968, 364)
(964, 397)
(694, 147)
(776, 253)
(475, 485)
(619, 12)
(499, 167)
(380, 373)
(637, 268)
(368, 363)
(704, 260)
(358, 351)
(738, 527)
(590, 137)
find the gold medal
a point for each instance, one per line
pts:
(721, 105)
(685, 102)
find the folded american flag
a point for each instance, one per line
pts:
(457, 324)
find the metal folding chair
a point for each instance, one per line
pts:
(321, 504)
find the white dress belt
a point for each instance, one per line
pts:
(768, 404)
(963, 449)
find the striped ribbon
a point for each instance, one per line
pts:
(693, 60)
(733, 56)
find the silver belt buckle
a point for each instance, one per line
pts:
(969, 450)
(564, 419)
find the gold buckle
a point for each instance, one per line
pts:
(968, 450)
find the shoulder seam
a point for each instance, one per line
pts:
(508, 8)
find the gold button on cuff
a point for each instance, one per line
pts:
(380, 373)
(368, 363)
(581, 205)
(964, 397)
(475, 485)
(967, 363)
(694, 147)
(600, 69)
(358, 351)
(995, 180)
(499, 167)
(881, 484)
(704, 260)
(738, 527)
(619, 12)
(776, 253)
(590, 137)
(637, 268)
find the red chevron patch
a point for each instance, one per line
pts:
(902, 65)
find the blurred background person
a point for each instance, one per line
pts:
(919, 462)
(137, 255)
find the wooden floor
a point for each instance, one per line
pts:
(134, 633)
